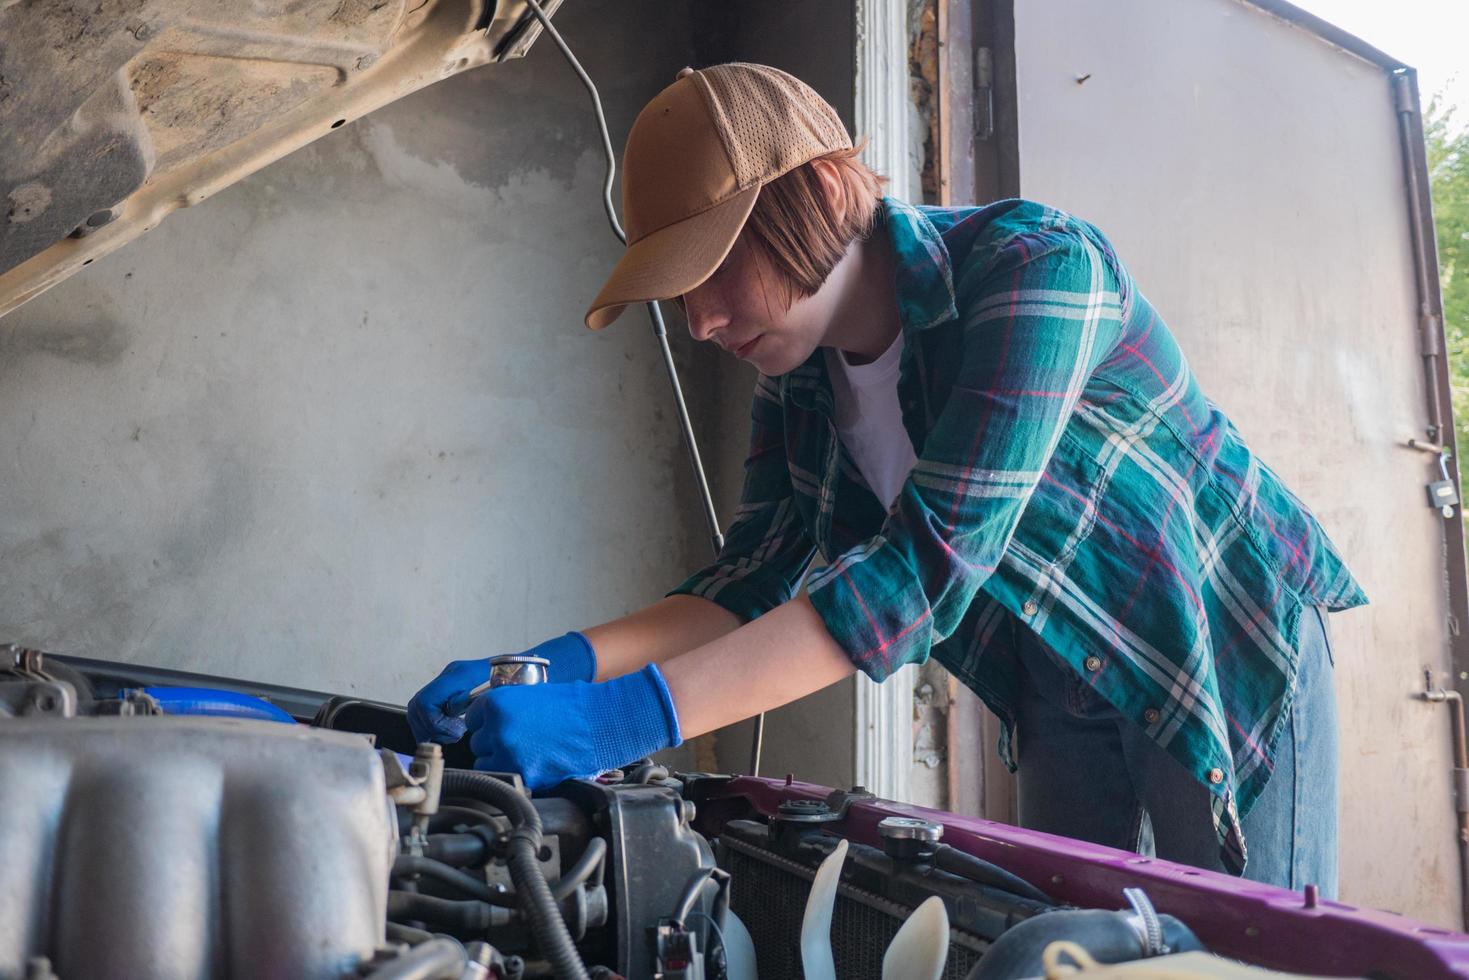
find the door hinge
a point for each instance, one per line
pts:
(984, 93)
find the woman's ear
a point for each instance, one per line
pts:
(833, 188)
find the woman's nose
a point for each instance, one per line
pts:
(704, 320)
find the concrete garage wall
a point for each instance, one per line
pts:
(1249, 175)
(341, 423)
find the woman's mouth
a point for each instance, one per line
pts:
(744, 351)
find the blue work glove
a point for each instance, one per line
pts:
(552, 732)
(435, 712)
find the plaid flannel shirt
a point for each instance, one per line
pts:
(1071, 474)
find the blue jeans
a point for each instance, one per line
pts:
(1087, 772)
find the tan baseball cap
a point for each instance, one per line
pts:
(694, 164)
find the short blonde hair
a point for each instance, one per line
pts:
(798, 231)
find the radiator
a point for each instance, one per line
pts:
(769, 895)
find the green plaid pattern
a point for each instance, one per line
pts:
(1070, 474)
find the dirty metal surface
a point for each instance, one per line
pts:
(115, 115)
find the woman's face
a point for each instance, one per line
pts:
(741, 308)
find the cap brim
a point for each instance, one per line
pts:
(672, 260)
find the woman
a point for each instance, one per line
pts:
(995, 444)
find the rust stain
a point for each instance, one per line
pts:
(923, 74)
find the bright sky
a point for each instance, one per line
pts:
(1430, 35)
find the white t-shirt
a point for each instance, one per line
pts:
(869, 420)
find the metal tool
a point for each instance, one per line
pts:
(513, 668)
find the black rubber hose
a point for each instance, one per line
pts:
(437, 959)
(579, 872)
(537, 903)
(979, 870)
(646, 773)
(1107, 936)
(464, 916)
(408, 865)
(449, 817)
(457, 850)
(694, 887)
(721, 905)
(430, 866)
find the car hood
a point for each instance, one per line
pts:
(114, 114)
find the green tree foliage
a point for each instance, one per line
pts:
(1448, 172)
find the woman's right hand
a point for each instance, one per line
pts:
(436, 713)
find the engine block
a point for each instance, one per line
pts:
(190, 848)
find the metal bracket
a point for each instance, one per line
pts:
(27, 698)
(1425, 446)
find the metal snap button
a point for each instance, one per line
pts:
(1030, 609)
(1151, 715)
(1216, 776)
(1092, 663)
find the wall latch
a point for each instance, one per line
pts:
(1442, 493)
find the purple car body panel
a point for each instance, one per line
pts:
(1260, 924)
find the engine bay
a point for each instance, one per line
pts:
(170, 831)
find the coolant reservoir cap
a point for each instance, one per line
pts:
(909, 838)
(910, 828)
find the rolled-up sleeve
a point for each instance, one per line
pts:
(767, 548)
(1038, 314)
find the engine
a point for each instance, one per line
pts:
(137, 843)
(177, 832)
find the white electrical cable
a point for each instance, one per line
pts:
(660, 330)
